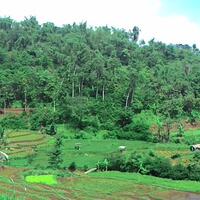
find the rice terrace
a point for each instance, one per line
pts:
(97, 113)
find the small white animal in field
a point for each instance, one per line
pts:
(122, 148)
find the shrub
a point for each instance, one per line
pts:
(43, 116)
(194, 117)
(111, 134)
(139, 128)
(72, 167)
(89, 121)
(14, 122)
(85, 168)
(175, 156)
(179, 172)
(83, 135)
(55, 159)
(194, 172)
(157, 166)
(116, 162)
(1, 132)
(103, 165)
(134, 162)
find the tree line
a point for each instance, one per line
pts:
(95, 75)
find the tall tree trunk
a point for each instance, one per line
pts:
(97, 91)
(127, 97)
(72, 89)
(25, 100)
(54, 105)
(82, 86)
(4, 106)
(79, 88)
(73, 83)
(103, 93)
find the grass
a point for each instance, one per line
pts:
(93, 151)
(5, 197)
(189, 186)
(99, 185)
(26, 143)
(43, 179)
(192, 136)
(106, 185)
(65, 131)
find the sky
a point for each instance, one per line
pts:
(169, 21)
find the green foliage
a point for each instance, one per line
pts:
(14, 122)
(1, 132)
(44, 117)
(151, 164)
(139, 128)
(55, 159)
(97, 78)
(6, 197)
(194, 116)
(72, 167)
(116, 162)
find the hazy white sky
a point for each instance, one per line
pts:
(146, 14)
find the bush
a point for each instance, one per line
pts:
(134, 163)
(111, 134)
(179, 172)
(151, 164)
(116, 162)
(43, 117)
(139, 128)
(14, 122)
(1, 132)
(157, 166)
(89, 121)
(85, 168)
(103, 165)
(194, 117)
(83, 135)
(194, 172)
(72, 167)
(175, 156)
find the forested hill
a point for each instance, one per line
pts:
(101, 76)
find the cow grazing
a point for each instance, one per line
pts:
(122, 148)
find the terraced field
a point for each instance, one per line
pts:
(21, 144)
(108, 185)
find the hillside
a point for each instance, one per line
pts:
(76, 98)
(105, 185)
(95, 77)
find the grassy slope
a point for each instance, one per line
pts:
(103, 185)
(91, 151)
(189, 186)
(108, 185)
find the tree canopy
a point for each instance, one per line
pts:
(95, 74)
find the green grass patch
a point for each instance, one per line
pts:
(43, 179)
(187, 186)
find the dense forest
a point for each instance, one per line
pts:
(96, 78)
